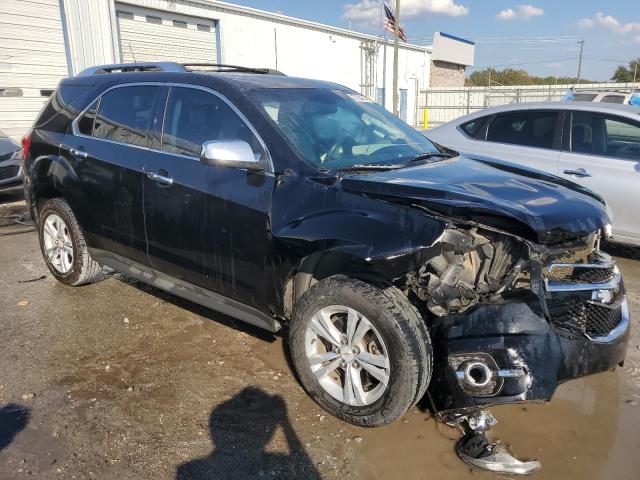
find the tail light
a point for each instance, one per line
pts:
(26, 145)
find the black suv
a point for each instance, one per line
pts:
(396, 265)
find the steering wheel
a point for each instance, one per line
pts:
(338, 149)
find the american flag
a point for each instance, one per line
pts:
(390, 23)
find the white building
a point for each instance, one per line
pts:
(42, 41)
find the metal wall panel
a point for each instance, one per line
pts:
(148, 35)
(91, 33)
(32, 58)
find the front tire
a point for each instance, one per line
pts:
(361, 352)
(63, 245)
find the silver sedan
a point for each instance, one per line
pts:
(596, 145)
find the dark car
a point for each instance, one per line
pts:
(397, 266)
(10, 165)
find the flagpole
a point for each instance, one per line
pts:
(385, 90)
(395, 59)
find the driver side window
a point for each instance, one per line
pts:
(195, 116)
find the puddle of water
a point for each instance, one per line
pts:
(587, 431)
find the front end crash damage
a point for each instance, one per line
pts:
(511, 319)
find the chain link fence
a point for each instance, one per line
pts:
(441, 105)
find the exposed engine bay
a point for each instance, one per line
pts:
(473, 265)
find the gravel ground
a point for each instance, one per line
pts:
(120, 380)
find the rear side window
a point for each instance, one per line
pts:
(597, 134)
(527, 128)
(85, 124)
(584, 97)
(124, 113)
(194, 117)
(613, 99)
(474, 128)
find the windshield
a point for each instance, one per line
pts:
(336, 129)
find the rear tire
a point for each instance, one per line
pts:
(368, 374)
(63, 245)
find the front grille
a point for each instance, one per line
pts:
(580, 315)
(576, 255)
(9, 171)
(574, 274)
(6, 156)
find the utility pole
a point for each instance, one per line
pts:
(396, 31)
(581, 42)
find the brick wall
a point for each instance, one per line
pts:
(444, 74)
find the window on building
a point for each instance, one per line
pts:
(529, 128)
(194, 117)
(123, 14)
(153, 19)
(597, 134)
(11, 92)
(204, 28)
(85, 124)
(180, 23)
(124, 113)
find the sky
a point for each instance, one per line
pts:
(540, 36)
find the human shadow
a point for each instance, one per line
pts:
(240, 429)
(13, 419)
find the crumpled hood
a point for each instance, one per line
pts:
(541, 207)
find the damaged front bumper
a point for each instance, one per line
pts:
(521, 348)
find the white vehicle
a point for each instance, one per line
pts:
(596, 145)
(599, 96)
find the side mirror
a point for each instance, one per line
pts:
(230, 153)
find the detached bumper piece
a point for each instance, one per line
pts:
(516, 351)
(476, 450)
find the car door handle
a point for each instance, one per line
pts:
(161, 179)
(79, 154)
(578, 172)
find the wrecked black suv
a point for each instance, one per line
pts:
(396, 265)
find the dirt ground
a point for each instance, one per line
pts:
(118, 380)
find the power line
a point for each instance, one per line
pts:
(524, 63)
(608, 60)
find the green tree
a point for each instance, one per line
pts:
(626, 74)
(511, 76)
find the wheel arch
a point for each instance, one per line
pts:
(324, 264)
(49, 177)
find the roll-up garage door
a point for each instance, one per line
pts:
(153, 35)
(32, 60)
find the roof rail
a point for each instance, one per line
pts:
(173, 67)
(221, 67)
(134, 67)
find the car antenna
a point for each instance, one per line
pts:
(132, 54)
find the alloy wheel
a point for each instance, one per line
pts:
(347, 355)
(58, 246)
